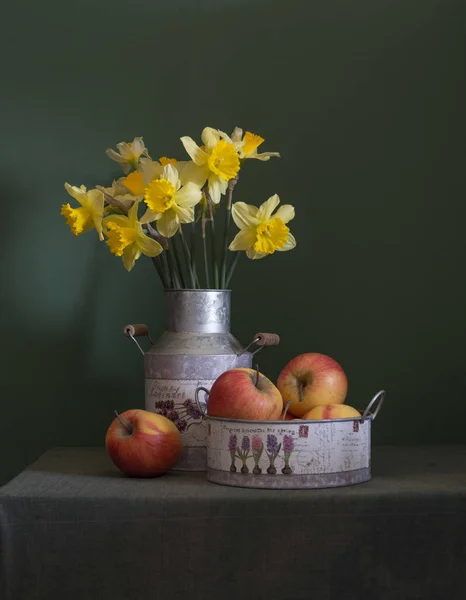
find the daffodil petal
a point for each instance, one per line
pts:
(252, 254)
(244, 215)
(120, 220)
(289, 244)
(127, 199)
(130, 255)
(223, 186)
(244, 240)
(125, 151)
(189, 195)
(149, 217)
(168, 223)
(214, 188)
(225, 136)
(78, 194)
(210, 137)
(264, 155)
(285, 213)
(190, 172)
(185, 214)
(197, 155)
(266, 209)
(137, 146)
(237, 135)
(99, 227)
(170, 173)
(133, 214)
(114, 155)
(95, 201)
(150, 170)
(149, 246)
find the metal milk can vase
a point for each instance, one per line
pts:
(194, 350)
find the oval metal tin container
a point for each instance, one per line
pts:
(291, 454)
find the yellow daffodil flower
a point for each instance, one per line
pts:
(247, 146)
(128, 153)
(261, 232)
(127, 239)
(187, 170)
(169, 203)
(89, 215)
(134, 183)
(217, 161)
(122, 194)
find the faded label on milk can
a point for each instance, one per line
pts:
(174, 399)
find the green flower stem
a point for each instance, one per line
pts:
(223, 273)
(184, 283)
(161, 270)
(187, 256)
(232, 268)
(204, 244)
(173, 268)
(159, 266)
(193, 250)
(164, 260)
(213, 248)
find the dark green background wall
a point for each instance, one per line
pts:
(365, 100)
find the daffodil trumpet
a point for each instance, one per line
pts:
(152, 210)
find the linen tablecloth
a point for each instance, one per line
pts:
(73, 528)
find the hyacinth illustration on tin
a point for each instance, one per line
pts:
(273, 449)
(257, 450)
(232, 447)
(244, 453)
(288, 447)
(183, 416)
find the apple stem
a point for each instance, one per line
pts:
(287, 406)
(128, 427)
(300, 391)
(257, 375)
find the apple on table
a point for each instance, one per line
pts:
(311, 380)
(143, 444)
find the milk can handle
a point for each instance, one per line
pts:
(134, 331)
(262, 340)
(379, 397)
(196, 397)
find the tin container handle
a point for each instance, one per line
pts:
(198, 403)
(376, 400)
(134, 331)
(261, 340)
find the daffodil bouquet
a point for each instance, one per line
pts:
(160, 208)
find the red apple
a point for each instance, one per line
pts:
(242, 394)
(143, 444)
(288, 416)
(310, 380)
(331, 411)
